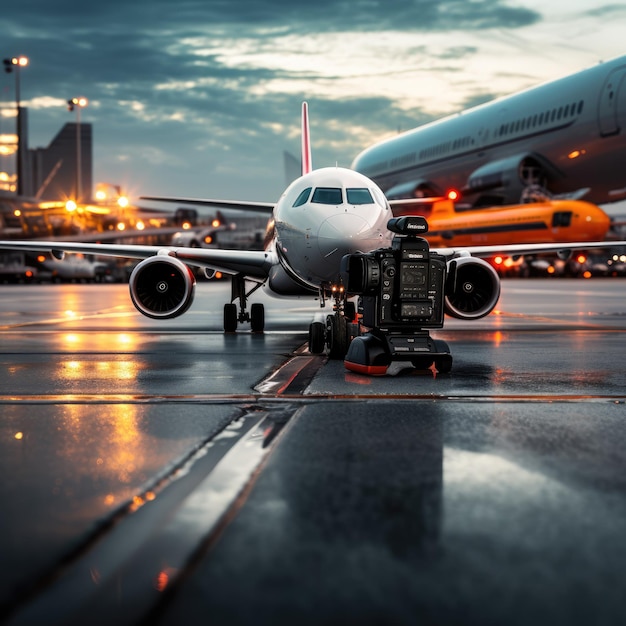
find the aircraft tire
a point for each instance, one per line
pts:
(230, 318)
(257, 317)
(317, 340)
(337, 336)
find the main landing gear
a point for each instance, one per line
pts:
(232, 316)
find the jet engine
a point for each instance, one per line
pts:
(507, 178)
(162, 287)
(472, 289)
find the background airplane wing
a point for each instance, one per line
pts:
(265, 208)
(416, 206)
(252, 263)
(531, 248)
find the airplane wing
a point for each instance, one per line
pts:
(257, 263)
(113, 235)
(528, 248)
(254, 264)
(265, 208)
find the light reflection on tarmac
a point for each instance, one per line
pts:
(494, 494)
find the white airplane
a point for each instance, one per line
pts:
(322, 216)
(565, 136)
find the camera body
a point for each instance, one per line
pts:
(401, 288)
(401, 296)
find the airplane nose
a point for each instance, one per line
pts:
(342, 234)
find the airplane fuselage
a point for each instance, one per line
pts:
(545, 222)
(566, 134)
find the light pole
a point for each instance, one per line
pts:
(78, 104)
(16, 63)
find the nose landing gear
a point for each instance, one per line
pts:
(340, 328)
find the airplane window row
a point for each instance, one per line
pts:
(540, 119)
(447, 146)
(528, 123)
(462, 143)
(437, 150)
(334, 195)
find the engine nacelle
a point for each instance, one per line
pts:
(508, 178)
(472, 288)
(281, 283)
(162, 287)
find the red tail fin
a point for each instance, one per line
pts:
(307, 166)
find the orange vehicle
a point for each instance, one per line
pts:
(548, 221)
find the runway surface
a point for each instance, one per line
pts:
(164, 473)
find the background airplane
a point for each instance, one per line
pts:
(321, 217)
(23, 217)
(562, 135)
(548, 221)
(241, 233)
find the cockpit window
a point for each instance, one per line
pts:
(359, 196)
(303, 197)
(562, 219)
(379, 196)
(327, 195)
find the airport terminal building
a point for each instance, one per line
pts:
(63, 169)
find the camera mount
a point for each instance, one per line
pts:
(401, 295)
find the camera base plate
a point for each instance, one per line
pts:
(373, 352)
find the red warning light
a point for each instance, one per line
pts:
(453, 194)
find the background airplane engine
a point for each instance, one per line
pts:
(472, 290)
(162, 287)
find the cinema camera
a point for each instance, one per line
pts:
(401, 296)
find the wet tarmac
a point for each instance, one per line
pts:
(161, 472)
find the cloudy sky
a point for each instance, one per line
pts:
(202, 97)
